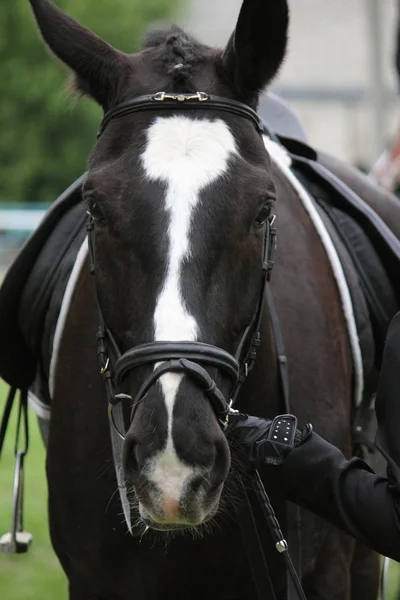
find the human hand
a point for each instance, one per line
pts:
(264, 441)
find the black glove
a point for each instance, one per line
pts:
(266, 442)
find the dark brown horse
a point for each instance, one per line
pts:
(179, 203)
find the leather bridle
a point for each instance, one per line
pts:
(198, 101)
(193, 358)
(189, 358)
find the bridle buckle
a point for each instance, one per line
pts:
(105, 367)
(161, 96)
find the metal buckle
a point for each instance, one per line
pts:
(161, 96)
(282, 546)
(104, 369)
(202, 96)
(271, 249)
(225, 423)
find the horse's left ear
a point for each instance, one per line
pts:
(257, 47)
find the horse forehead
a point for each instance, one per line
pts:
(188, 152)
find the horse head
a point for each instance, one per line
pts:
(179, 202)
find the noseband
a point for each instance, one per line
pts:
(189, 358)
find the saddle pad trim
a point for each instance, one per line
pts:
(42, 410)
(69, 290)
(280, 156)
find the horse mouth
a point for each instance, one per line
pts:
(160, 525)
(165, 526)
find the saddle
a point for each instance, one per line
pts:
(28, 286)
(372, 246)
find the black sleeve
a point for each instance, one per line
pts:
(318, 477)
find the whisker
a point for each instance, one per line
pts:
(111, 497)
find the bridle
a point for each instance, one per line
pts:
(193, 358)
(189, 358)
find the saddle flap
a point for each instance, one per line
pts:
(18, 359)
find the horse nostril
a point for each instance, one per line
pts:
(221, 462)
(196, 484)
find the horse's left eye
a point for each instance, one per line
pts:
(263, 215)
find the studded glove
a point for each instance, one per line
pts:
(266, 442)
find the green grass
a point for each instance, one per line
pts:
(37, 575)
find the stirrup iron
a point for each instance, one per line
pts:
(17, 541)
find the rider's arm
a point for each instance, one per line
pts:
(318, 477)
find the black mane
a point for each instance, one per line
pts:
(179, 51)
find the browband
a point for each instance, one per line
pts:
(197, 101)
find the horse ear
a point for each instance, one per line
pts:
(257, 47)
(98, 67)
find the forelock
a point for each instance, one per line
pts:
(179, 51)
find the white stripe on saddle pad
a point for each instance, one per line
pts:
(42, 410)
(282, 159)
(69, 290)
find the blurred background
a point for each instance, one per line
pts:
(339, 77)
(339, 74)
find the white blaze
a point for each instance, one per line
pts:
(186, 155)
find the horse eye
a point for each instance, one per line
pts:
(263, 215)
(94, 211)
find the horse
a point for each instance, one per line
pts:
(179, 203)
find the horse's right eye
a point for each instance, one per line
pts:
(94, 210)
(263, 215)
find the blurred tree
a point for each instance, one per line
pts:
(45, 135)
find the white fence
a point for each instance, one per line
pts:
(16, 224)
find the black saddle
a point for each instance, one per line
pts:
(280, 118)
(374, 249)
(26, 290)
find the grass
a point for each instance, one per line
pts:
(37, 575)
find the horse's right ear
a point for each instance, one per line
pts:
(99, 68)
(257, 47)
